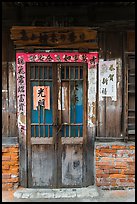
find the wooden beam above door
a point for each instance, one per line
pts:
(54, 37)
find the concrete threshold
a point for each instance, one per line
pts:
(90, 192)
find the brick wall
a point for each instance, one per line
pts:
(115, 165)
(10, 167)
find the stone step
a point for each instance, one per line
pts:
(90, 192)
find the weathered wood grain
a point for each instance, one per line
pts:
(12, 100)
(5, 119)
(72, 163)
(42, 165)
(54, 37)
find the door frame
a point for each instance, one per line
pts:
(21, 59)
(57, 143)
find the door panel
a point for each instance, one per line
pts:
(42, 165)
(72, 165)
(56, 124)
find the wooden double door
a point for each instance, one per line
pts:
(57, 141)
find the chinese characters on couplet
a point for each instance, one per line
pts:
(21, 82)
(107, 79)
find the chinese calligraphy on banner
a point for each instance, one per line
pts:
(21, 78)
(41, 96)
(107, 79)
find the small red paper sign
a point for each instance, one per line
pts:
(41, 96)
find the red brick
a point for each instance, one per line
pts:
(104, 167)
(103, 154)
(14, 158)
(128, 184)
(118, 147)
(11, 180)
(132, 147)
(5, 150)
(102, 175)
(107, 159)
(6, 176)
(124, 159)
(103, 163)
(7, 186)
(130, 176)
(99, 171)
(126, 172)
(6, 154)
(6, 158)
(14, 154)
(120, 165)
(131, 163)
(114, 171)
(108, 150)
(104, 147)
(12, 163)
(131, 155)
(5, 167)
(13, 149)
(14, 171)
(5, 171)
(113, 183)
(131, 180)
(117, 176)
(106, 171)
(122, 180)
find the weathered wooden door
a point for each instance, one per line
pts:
(57, 125)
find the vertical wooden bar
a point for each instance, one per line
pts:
(85, 102)
(39, 119)
(78, 131)
(74, 105)
(39, 105)
(78, 72)
(61, 118)
(74, 71)
(64, 130)
(69, 103)
(57, 139)
(97, 102)
(28, 168)
(34, 130)
(48, 131)
(47, 72)
(64, 72)
(43, 73)
(43, 106)
(34, 72)
(55, 100)
(43, 121)
(5, 99)
(12, 101)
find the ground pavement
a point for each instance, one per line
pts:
(103, 196)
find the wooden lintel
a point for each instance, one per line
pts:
(54, 37)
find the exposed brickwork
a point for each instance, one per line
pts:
(10, 167)
(115, 165)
